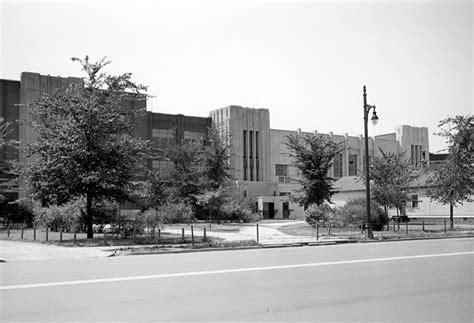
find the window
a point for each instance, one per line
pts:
(414, 201)
(281, 170)
(251, 144)
(256, 144)
(245, 169)
(257, 169)
(193, 135)
(245, 143)
(161, 164)
(337, 166)
(352, 165)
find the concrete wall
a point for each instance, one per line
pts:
(426, 207)
(296, 211)
(415, 142)
(239, 189)
(232, 121)
(10, 112)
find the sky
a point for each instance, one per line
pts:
(305, 61)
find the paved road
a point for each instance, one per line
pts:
(396, 281)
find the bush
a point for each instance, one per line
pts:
(68, 217)
(354, 213)
(131, 225)
(237, 211)
(16, 212)
(176, 213)
(318, 214)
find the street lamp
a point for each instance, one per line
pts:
(374, 120)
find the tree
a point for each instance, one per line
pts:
(198, 172)
(453, 184)
(313, 156)
(6, 145)
(391, 175)
(216, 159)
(85, 147)
(185, 173)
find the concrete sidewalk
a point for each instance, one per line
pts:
(268, 233)
(28, 251)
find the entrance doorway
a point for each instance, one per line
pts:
(286, 210)
(269, 210)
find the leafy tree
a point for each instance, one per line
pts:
(5, 167)
(216, 154)
(185, 174)
(453, 184)
(216, 167)
(198, 172)
(212, 200)
(155, 191)
(313, 156)
(85, 147)
(391, 175)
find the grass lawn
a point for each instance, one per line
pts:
(432, 228)
(165, 238)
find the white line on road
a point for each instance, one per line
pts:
(225, 271)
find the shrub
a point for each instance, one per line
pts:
(16, 212)
(131, 225)
(354, 213)
(67, 217)
(176, 213)
(318, 214)
(237, 211)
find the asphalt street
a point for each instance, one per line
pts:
(410, 281)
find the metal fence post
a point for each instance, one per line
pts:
(182, 234)
(22, 229)
(406, 226)
(205, 238)
(74, 241)
(47, 234)
(388, 225)
(445, 232)
(34, 233)
(8, 231)
(105, 240)
(159, 235)
(393, 225)
(258, 238)
(317, 231)
(192, 236)
(423, 226)
(61, 235)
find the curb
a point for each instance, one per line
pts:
(287, 245)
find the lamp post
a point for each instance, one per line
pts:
(374, 120)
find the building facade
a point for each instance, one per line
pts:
(262, 166)
(163, 130)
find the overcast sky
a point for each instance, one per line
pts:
(305, 61)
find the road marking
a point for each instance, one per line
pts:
(226, 271)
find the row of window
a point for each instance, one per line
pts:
(281, 170)
(251, 141)
(166, 138)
